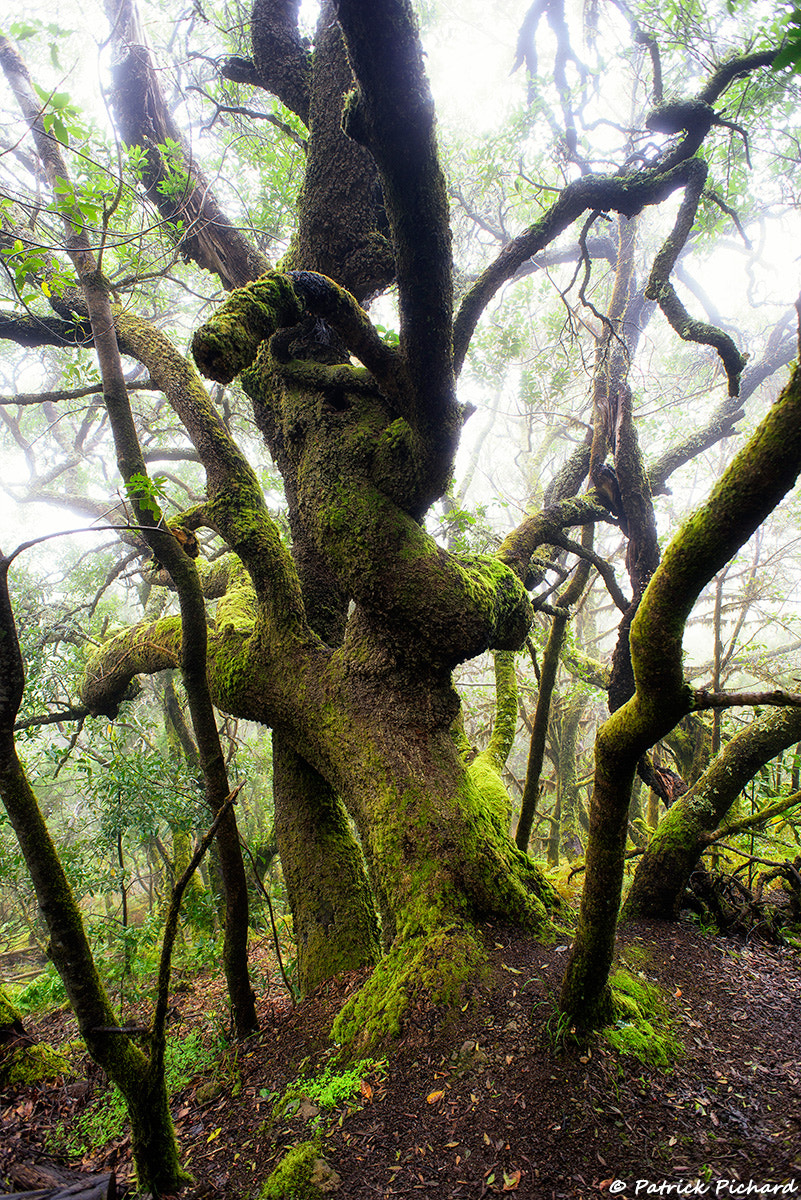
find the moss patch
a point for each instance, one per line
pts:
(427, 970)
(303, 1174)
(643, 1027)
(33, 1064)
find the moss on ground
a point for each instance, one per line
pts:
(302, 1174)
(33, 1064)
(643, 1027)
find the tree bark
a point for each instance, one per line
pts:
(681, 836)
(754, 483)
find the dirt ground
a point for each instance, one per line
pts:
(484, 1102)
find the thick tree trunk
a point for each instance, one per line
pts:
(332, 905)
(436, 831)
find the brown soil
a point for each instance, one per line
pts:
(483, 1102)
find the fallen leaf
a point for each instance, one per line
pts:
(365, 1090)
(434, 1097)
(511, 1182)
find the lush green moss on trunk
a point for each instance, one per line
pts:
(754, 483)
(332, 906)
(681, 836)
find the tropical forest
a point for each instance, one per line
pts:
(400, 599)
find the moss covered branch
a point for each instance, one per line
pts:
(751, 487)
(688, 827)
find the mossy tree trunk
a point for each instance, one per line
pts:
(336, 928)
(684, 832)
(757, 479)
(364, 451)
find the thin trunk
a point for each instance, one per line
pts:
(751, 487)
(550, 664)
(166, 548)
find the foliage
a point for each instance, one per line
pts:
(330, 1088)
(104, 1119)
(46, 991)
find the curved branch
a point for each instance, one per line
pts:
(660, 289)
(689, 826)
(751, 487)
(228, 343)
(545, 529)
(172, 179)
(780, 351)
(392, 113)
(624, 194)
(143, 650)
(728, 71)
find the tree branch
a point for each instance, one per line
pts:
(172, 178)
(392, 113)
(702, 699)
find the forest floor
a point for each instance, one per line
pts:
(485, 1102)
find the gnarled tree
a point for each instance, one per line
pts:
(345, 643)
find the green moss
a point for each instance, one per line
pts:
(484, 776)
(33, 1064)
(301, 1175)
(229, 342)
(432, 967)
(643, 1028)
(8, 1013)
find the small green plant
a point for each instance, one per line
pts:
(329, 1089)
(104, 1119)
(45, 991)
(176, 183)
(643, 1027)
(146, 491)
(558, 1030)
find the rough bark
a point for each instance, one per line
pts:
(682, 835)
(336, 928)
(754, 483)
(342, 226)
(171, 177)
